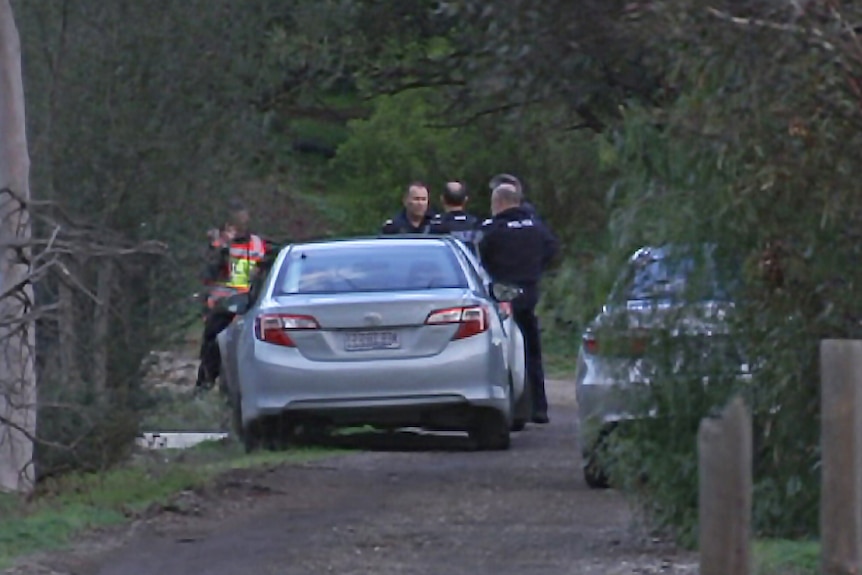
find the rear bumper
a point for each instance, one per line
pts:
(612, 392)
(465, 375)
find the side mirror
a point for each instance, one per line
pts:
(237, 303)
(505, 292)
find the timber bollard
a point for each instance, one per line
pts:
(725, 492)
(841, 457)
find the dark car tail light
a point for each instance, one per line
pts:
(472, 320)
(274, 328)
(591, 343)
(633, 345)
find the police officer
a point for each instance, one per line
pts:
(454, 220)
(240, 255)
(415, 217)
(516, 248)
(513, 180)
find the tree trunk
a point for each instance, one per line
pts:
(102, 323)
(17, 333)
(66, 321)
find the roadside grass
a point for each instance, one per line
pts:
(783, 557)
(73, 504)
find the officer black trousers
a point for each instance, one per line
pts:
(525, 317)
(210, 356)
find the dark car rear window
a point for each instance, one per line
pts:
(350, 268)
(682, 275)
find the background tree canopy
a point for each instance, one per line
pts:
(631, 123)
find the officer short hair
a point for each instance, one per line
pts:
(500, 179)
(415, 184)
(455, 194)
(508, 193)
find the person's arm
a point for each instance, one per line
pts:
(216, 260)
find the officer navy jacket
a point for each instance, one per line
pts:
(458, 224)
(400, 224)
(516, 247)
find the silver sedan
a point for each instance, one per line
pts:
(391, 332)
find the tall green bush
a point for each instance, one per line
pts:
(756, 152)
(402, 142)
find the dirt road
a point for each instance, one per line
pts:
(415, 504)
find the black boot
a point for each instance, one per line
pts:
(203, 381)
(541, 416)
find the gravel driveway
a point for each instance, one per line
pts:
(411, 504)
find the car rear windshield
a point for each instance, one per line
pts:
(345, 268)
(678, 277)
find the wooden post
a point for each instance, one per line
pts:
(841, 456)
(724, 447)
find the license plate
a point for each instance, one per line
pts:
(370, 340)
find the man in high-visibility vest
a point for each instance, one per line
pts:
(239, 255)
(216, 273)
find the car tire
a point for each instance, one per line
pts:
(594, 476)
(251, 437)
(490, 431)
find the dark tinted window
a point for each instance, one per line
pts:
(680, 274)
(385, 267)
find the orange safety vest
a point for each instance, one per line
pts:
(244, 257)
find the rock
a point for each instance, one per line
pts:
(169, 369)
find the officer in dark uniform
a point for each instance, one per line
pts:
(516, 248)
(454, 220)
(415, 217)
(499, 179)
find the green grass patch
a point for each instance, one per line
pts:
(559, 355)
(782, 557)
(68, 506)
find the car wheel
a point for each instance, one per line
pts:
(594, 475)
(490, 431)
(235, 405)
(251, 436)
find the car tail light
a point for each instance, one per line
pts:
(591, 343)
(472, 320)
(275, 327)
(636, 345)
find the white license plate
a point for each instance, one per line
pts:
(371, 340)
